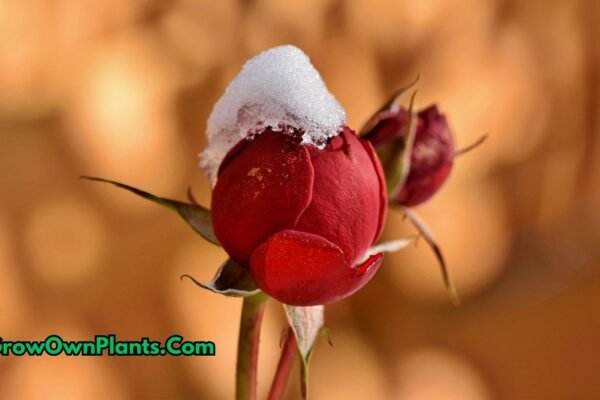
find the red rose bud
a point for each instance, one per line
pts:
(431, 156)
(301, 217)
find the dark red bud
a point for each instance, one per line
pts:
(431, 156)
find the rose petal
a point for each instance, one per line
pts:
(431, 159)
(390, 126)
(383, 197)
(232, 154)
(270, 171)
(419, 189)
(303, 269)
(346, 203)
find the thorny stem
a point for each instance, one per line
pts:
(288, 355)
(252, 312)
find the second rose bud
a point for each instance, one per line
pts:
(431, 155)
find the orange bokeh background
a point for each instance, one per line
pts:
(122, 90)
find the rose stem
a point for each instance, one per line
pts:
(252, 312)
(288, 354)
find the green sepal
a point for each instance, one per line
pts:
(391, 105)
(231, 280)
(427, 235)
(198, 217)
(395, 155)
(307, 324)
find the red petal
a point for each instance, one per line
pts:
(431, 159)
(304, 269)
(262, 190)
(232, 154)
(418, 189)
(346, 204)
(389, 127)
(383, 197)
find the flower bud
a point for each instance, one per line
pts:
(431, 155)
(301, 217)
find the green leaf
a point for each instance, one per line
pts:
(230, 280)
(306, 322)
(196, 216)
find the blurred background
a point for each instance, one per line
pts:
(122, 90)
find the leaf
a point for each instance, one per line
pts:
(230, 280)
(425, 232)
(198, 217)
(306, 322)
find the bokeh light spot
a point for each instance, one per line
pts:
(430, 373)
(65, 240)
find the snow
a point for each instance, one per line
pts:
(279, 88)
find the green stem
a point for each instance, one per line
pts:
(304, 379)
(252, 312)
